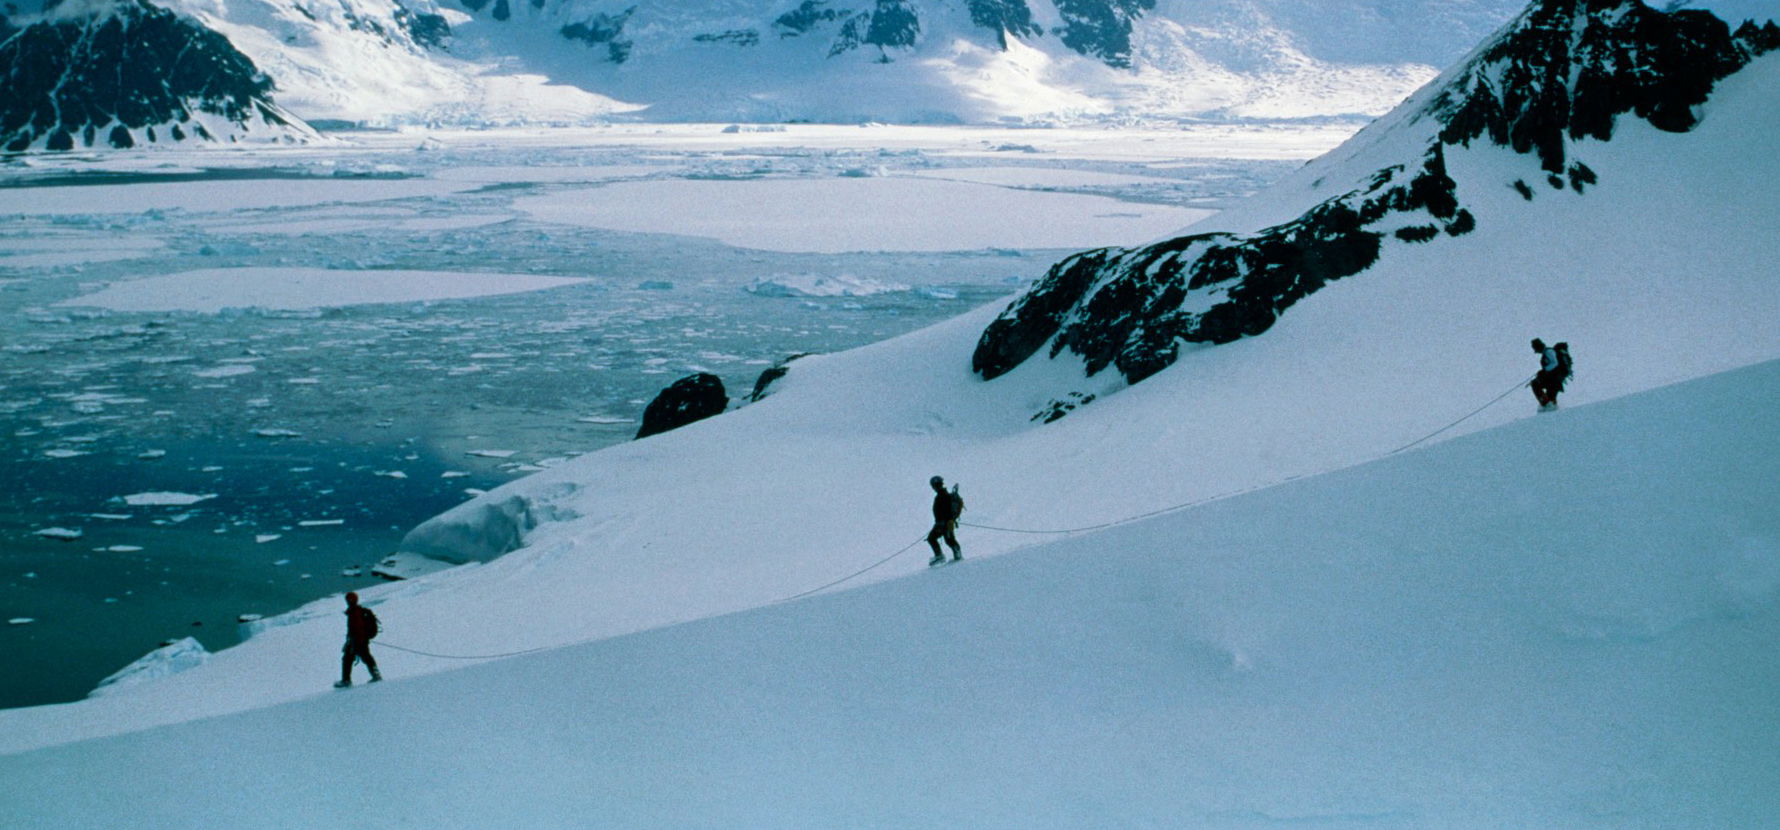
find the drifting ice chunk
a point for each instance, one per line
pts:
(820, 285)
(63, 533)
(163, 499)
(20, 621)
(166, 661)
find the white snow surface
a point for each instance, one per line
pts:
(212, 290)
(1534, 620)
(1467, 636)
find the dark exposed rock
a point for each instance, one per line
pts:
(808, 15)
(1101, 28)
(1417, 233)
(772, 375)
(1562, 72)
(606, 29)
(429, 30)
(92, 78)
(1569, 68)
(892, 24)
(691, 398)
(739, 37)
(1005, 17)
(1056, 409)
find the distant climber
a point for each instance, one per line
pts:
(1554, 369)
(361, 626)
(947, 507)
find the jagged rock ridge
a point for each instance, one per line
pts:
(128, 73)
(1565, 70)
(1100, 29)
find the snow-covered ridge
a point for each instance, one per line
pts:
(1553, 84)
(127, 73)
(842, 61)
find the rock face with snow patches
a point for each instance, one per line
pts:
(1565, 71)
(691, 398)
(842, 61)
(129, 73)
(1100, 29)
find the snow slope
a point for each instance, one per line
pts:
(1566, 622)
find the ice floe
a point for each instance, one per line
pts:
(213, 290)
(821, 285)
(164, 499)
(836, 215)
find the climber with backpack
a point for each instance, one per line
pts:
(361, 626)
(1555, 367)
(947, 507)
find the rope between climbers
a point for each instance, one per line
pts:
(1468, 416)
(855, 574)
(848, 577)
(1083, 529)
(1208, 499)
(463, 656)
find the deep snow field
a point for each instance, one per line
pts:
(231, 381)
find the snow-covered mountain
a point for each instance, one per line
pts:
(122, 73)
(470, 61)
(1554, 86)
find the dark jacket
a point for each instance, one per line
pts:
(361, 624)
(943, 509)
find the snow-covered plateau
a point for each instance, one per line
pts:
(1333, 569)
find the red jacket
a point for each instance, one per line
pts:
(361, 624)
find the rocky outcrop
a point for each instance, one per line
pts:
(1564, 71)
(128, 73)
(691, 398)
(892, 24)
(599, 30)
(1101, 28)
(1005, 17)
(771, 376)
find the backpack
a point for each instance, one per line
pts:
(371, 624)
(1566, 366)
(957, 503)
